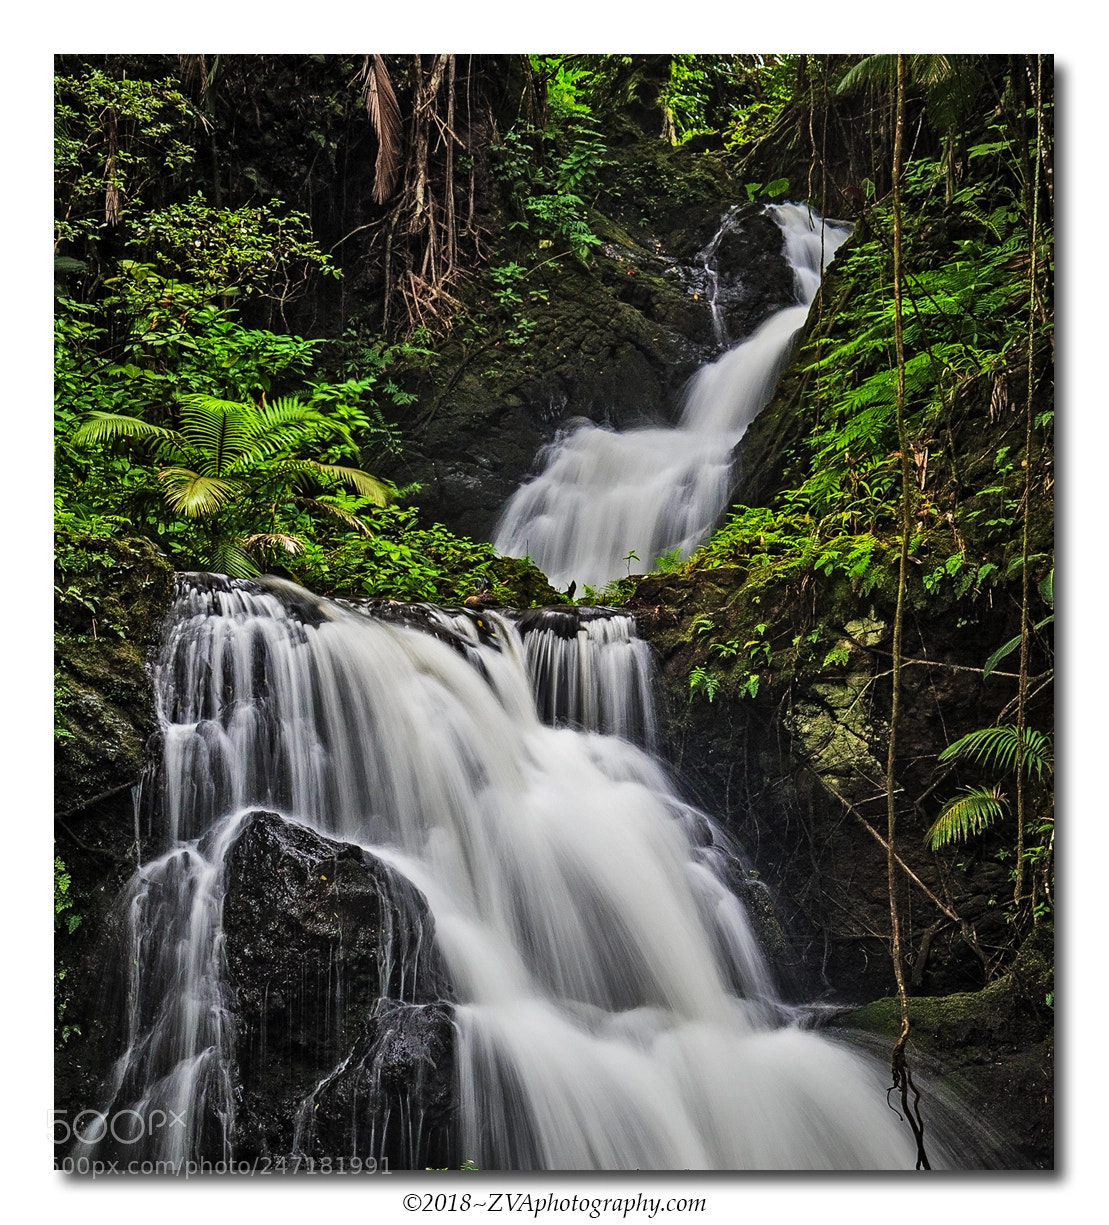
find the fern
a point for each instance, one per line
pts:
(702, 681)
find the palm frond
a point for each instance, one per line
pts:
(339, 513)
(195, 494)
(997, 747)
(869, 71)
(288, 423)
(223, 430)
(230, 558)
(102, 427)
(966, 816)
(379, 492)
(384, 112)
(274, 540)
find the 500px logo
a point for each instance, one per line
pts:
(124, 1126)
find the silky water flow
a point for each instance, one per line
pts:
(604, 495)
(612, 1009)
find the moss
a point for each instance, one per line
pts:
(992, 1050)
(526, 586)
(1011, 1010)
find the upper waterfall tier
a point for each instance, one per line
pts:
(605, 499)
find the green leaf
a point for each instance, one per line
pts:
(102, 427)
(194, 494)
(1002, 651)
(997, 747)
(967, 816)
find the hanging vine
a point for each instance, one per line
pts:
(899, 1066)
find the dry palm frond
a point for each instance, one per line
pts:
(274, 540)
(384, 112)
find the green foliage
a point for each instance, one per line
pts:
(771, 85)
(399, 559)
(550, 173)
(966, 816)
(66, 919)
(233, 464)
(66, 922)
(976, 809)
(774, 190)
(668, 562)
(260, 250)
(113, 141)
(837, 657)
(997, 748)
(703, 682)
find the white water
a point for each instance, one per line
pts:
(614, 1011)
(603, 495)
(591, 671)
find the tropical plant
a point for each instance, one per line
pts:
(242, 467)
(977, 808)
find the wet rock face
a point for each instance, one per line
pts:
(796, 774)
(343, 1047)
(111, 597)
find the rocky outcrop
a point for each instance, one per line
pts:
(991, 1050)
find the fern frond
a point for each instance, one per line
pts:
(996, 747)
(966, 816)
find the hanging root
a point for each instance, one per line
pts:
(903, 1083)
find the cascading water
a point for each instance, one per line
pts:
(589, 670)
(603, 496)
(612, 1009)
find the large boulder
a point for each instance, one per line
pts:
(345, 1040)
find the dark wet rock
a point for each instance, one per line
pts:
(110, 598)
(344, 1044)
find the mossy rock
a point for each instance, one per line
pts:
(993, 1049)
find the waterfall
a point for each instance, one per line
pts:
(604, 496)
(610, 1003)
(590, 670)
